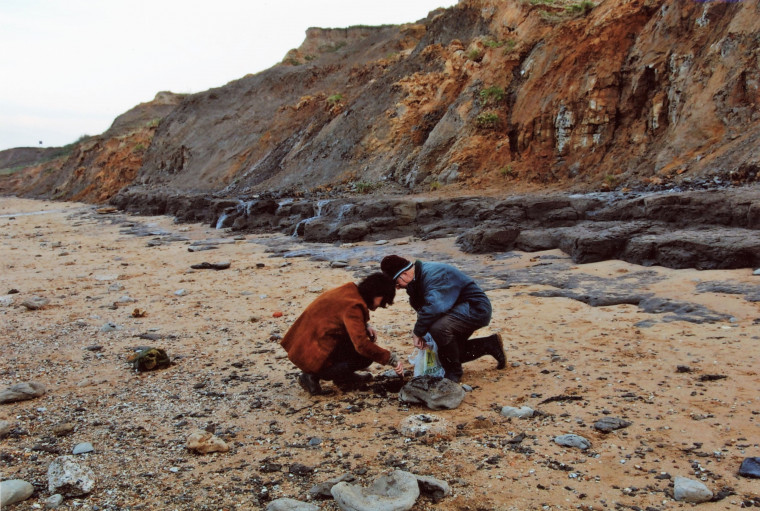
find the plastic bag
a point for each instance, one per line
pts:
(425, 361)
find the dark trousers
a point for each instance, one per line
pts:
(452, 335)
(342, 362)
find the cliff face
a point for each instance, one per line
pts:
(484, 97)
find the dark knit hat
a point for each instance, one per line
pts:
(394, 265)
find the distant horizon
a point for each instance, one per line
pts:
(77, 66)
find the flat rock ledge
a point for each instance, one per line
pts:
(705, 229)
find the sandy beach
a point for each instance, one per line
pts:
(686, 379)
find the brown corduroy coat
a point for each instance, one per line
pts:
(335, 315)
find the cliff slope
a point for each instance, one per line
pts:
(485, 97)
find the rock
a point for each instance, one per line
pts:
(204, 442)
(435, 393)
(180, 292)
(436, 488)
(6, 301)
(14, 490)
(211, 266)
(69, 478)
(338, 264)
(608, 424)
(524, 412)
(35, 302)
(354, 232)
(110, 327)
(22, 392)
(750, 467)
(54, 501)
(756, 272)
(397, 491)
(63, 429)
(5, 428)
(689, 490)
(322, 490)
(426, 425)
(286, 504)
(573, 441)
(83, 448)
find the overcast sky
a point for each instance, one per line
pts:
(70, 67)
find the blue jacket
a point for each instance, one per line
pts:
(439, 289)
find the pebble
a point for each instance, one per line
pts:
(180, 292)
(286, 504)
(608, 424)
(22, 392)
(689, 490)
(750, 467)
(110, 327)
(338, 264)
(35, 302)
(54, 501)
(573, 441)
(5, 428)
(6, 301)
(524, 412)
(14, 490)
(83, 448)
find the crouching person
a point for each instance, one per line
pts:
(332, 339)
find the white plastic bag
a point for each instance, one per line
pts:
(425, 361)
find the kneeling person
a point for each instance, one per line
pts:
(331, 339)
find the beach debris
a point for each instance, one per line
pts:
(204, 442)
(211, 266)
(277, 314)
(426, 425)
(689, 490)
(397, 491)
(22, 392)
(149, 358)
(435, 393)
(70, 478)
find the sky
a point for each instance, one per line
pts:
(70, 67)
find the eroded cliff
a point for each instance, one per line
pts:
(485, 97)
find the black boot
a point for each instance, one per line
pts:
(449, 356)
(310, 383)
(493, 345)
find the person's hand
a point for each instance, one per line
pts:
(399, 368)
(372, 333)
(419, 343)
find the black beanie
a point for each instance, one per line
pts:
(394, 265)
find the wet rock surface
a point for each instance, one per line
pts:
(693, 229)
